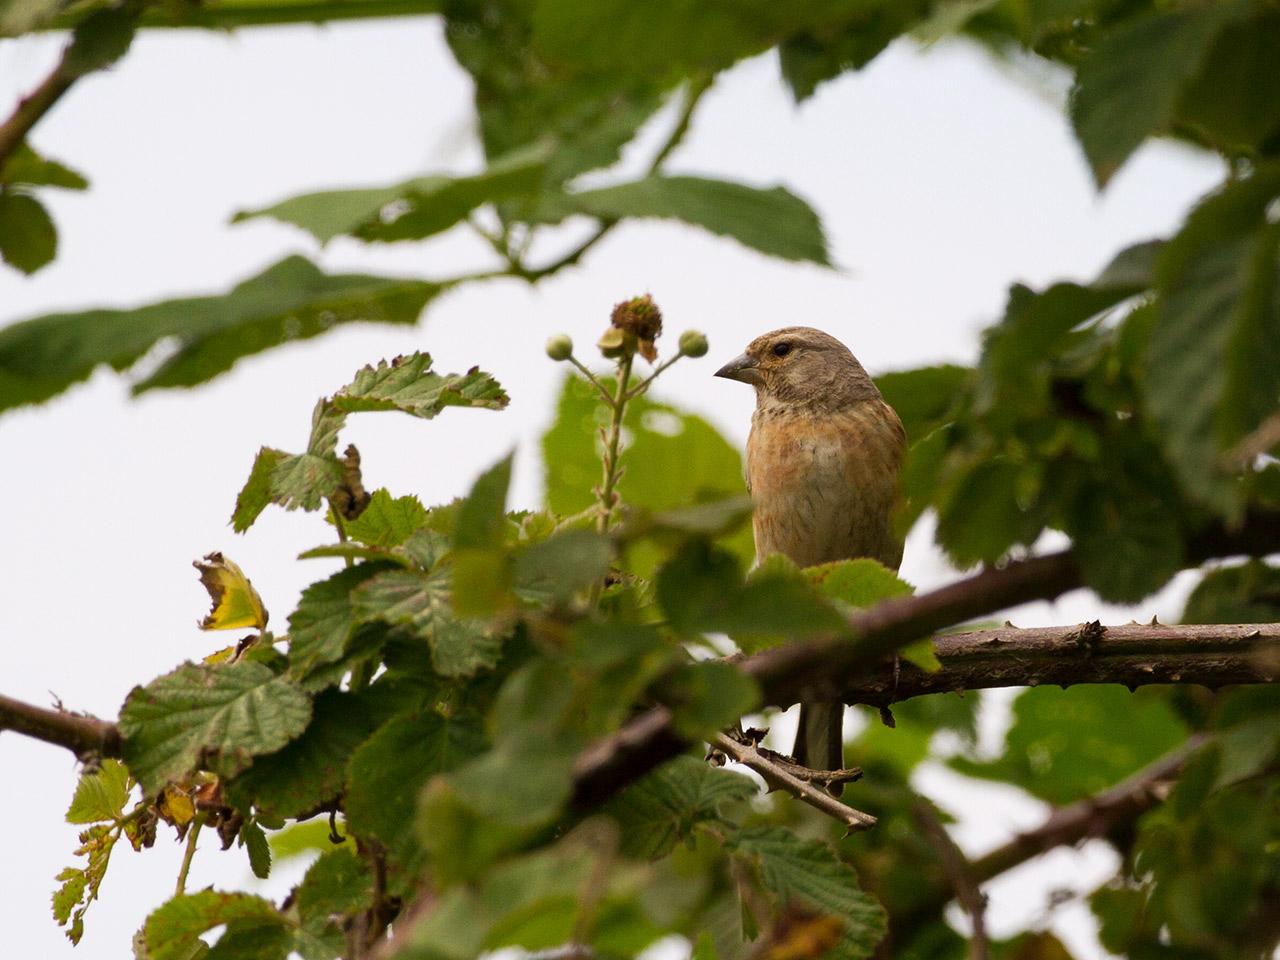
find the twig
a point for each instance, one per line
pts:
(188, 855)
(35, 105)
(83, 736)
(959, 872)
(613, 441)
(1093, 816)
(1252, 446)
(778, 777)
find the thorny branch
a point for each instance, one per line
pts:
(782, 774)
(1093, 816)
(83, 736)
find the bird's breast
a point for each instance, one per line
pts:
(824, 486)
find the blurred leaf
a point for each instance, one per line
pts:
(1233, 100)
(420, 603)
(255, 843)
(709, 696)
(553, 570)
(1063, 744)
(28, 239)
(100, 39)
(481, 518)
(1128, 86)
(1246, 593)
(28, 168)
(310, 770)
(1216, 337)
(662, 809)
(292, 300)
(981, 517)
(389, 770)
(773, 221)
(411, 210)
(236, 603)
(810, 873)
(174, 929)
(924, 397)
(337, 886)
(387, 521)
(100, 795)
(252, 939)
(233, 712)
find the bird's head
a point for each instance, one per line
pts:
(801, 365)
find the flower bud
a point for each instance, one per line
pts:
(693, 343)
(559, 347)
(613, 343)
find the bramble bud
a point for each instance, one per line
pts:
(641, 318)
(693, 343)
(559, 347)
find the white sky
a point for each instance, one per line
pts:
(940, 180)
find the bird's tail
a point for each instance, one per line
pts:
(820, 738)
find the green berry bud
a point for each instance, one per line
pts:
(693, 343)
(559, 347)
(613, 343)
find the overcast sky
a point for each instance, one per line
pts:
(940, 178)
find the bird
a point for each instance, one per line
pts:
(823, 458)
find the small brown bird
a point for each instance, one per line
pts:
(822, 465)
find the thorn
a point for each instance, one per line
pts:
(1009, 624)
(1155, 621)
(886, 717)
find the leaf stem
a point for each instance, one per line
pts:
(592, 379)
(192, 836)
(613, 440)
(643, 385)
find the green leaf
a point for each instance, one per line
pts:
(1247, 593)
(100, 39)
(809, 872)
(28, 238)
(1128, 85)
(981, 517)
(1216, 337)
(387, 521)
(290, 301)
(325, 619)
(232, 712)
(411, 210)
(256, 939)
(709, 696)
(100, 795)
(522, 783)
(255, 844)
(420, 602)
(860, 583)
(408, 384)
(337, 883)
(1233, 100)
(311, 770)
(28, 168)
(388, 772)
(1063, 743)
(662, 809)
(257, 491)
(172, 931)
(773, 221)
(481, 518)
(924, 398)
(554, 569)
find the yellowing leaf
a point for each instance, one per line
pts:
(236, 604)
(176, 806)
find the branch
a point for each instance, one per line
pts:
(777, 775)
(81, 735)
(959, 873)
(1133, 655)
(1094, 816)
(35, 105)
(790, 673)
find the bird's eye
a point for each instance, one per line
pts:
(781, 349)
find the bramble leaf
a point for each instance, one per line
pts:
(100, 795)
(236, 603)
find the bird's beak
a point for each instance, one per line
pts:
(744, 369)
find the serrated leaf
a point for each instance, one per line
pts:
(409, 385)
(420, 602)
(256, 939)
(311, 769)
(773, 221)
(236, 603)
(172, 930)
(661, 810)
(387, 521)
(1129, 84)
(325, 619)
(292, 300)
(810, 873)
(388, 772)
(256, 846)
(925, 397)
(304, 480)
(100, 795)
(338, 883)
(68, 896)
(256, 493)
(412, 210)
(234, 712)
(28, 238)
